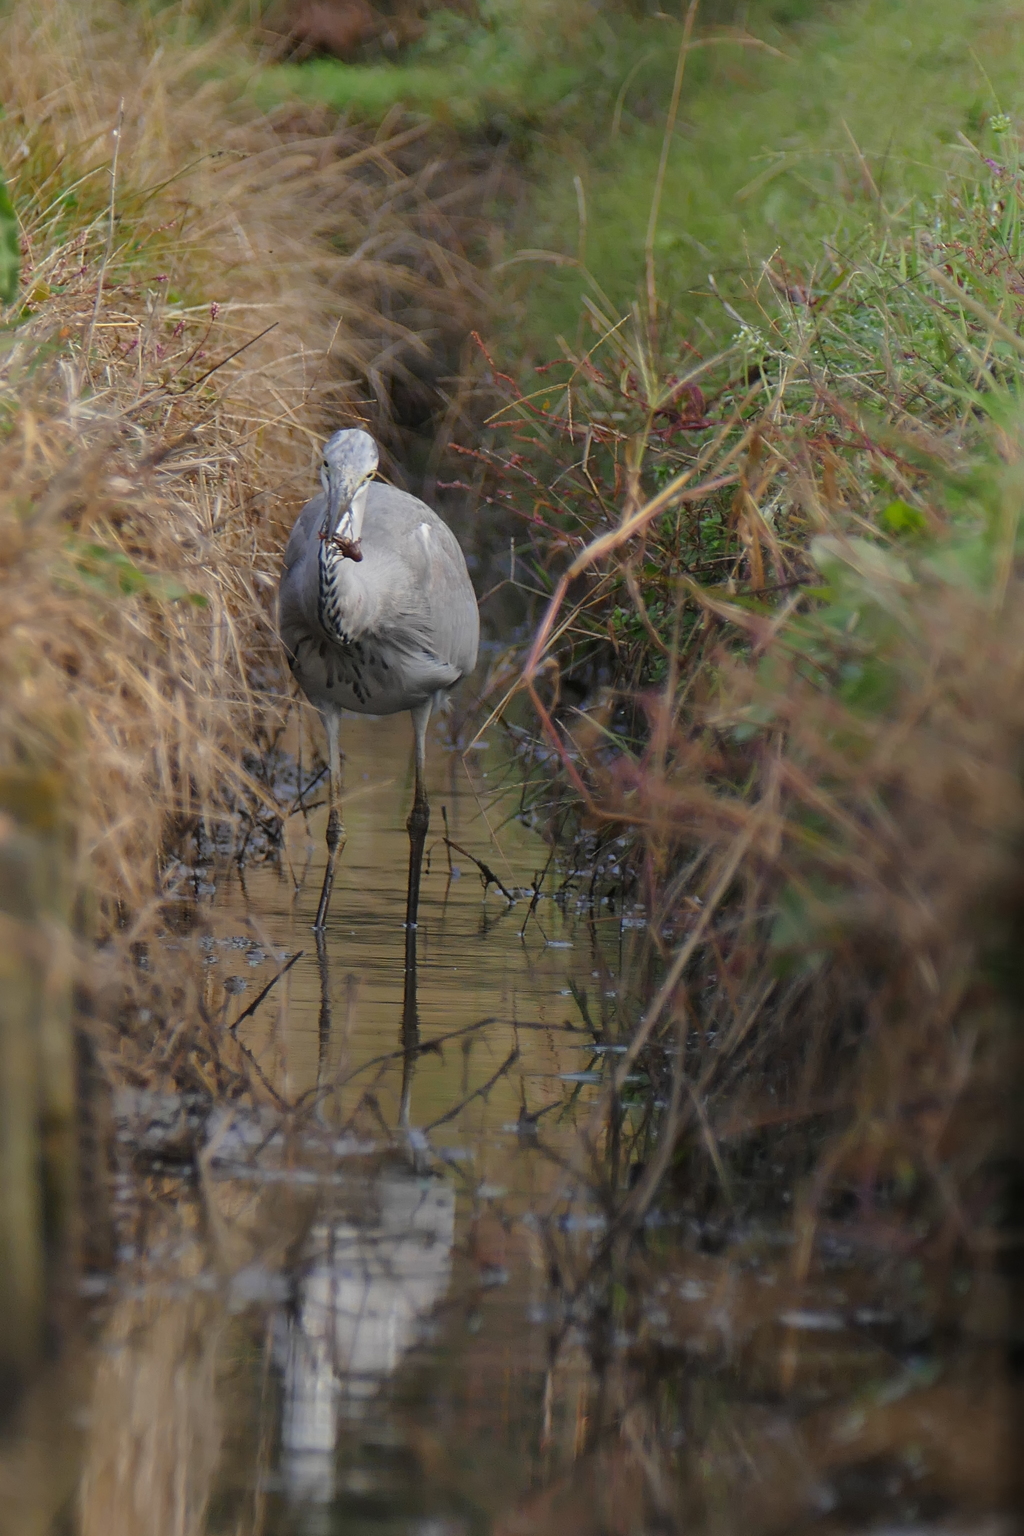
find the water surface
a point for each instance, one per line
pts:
(382, 1298)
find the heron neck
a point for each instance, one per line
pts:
(337, 594)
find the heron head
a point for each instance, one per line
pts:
(349, 464)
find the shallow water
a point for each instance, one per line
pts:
(381, 1301)
(472, 963)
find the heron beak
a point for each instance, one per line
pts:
(338, 525)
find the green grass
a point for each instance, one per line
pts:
(861, 118)
(515, 66)
(10, 256)
(466, 78)
(889, 379)
(856, 115)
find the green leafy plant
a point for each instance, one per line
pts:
(112, 573)
(10, 250)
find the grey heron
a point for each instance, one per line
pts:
(377, 614)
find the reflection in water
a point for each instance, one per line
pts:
(276, 1221)
(366, 1285)
(470, 963)
(325, 1020)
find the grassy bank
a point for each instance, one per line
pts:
(800, 123)
(204, 290)
(773, 686)
(779, 646)
(798, 126)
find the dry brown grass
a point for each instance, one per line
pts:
(841, 892)
(207, 292)
(833, 892)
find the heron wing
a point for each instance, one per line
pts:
(418, 564)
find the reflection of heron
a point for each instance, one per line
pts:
(377, 614)
(358, 1305)
(410, 1022)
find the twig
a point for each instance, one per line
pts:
(538, 881)
(225, 360)
(511, 1058)
(163, 393)
(297, 803)
(487, 874)
(666, 145)
(281, 1103)
(247, 1013)
(87, 346)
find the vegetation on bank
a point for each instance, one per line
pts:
(807, 128)
(778, 642)
(198, 299)
(801, 122)
(200, 291)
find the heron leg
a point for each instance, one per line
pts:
(324, 1021)
(419, 821)
(335, 825)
